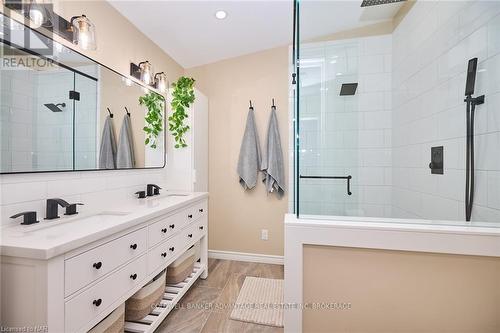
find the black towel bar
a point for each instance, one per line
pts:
(348, 178)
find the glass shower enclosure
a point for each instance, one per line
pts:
(380, 122)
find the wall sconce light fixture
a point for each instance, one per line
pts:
(83, 32)
(142, 71)
(161, 81)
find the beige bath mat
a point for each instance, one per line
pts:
(260, 301)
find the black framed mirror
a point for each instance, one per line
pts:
(62, 111)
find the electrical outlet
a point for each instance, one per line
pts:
(264, 234)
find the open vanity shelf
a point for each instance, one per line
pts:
(173, 294)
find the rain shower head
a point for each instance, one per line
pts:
(55, 107)
(368, 3)
(348, 89)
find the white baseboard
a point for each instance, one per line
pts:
(249, 257)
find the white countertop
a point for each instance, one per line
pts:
(49, 239)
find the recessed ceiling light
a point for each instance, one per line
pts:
(220, 14)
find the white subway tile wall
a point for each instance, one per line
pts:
(346, 135)
(98, 190)
(431, 48)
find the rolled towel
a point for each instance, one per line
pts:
(125, 158)
(107, 151)
(272, 165)
(250, 158)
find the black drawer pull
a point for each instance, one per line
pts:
(133, 276)
(97, 265)
(164, 230)
(190, 235)
(164, 254)
(171, 226)
(201, 228)
(190, 216)
(97, 302)
(201, 210)
(171, 249)
(133, 246)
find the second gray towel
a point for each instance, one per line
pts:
(272, 165)
(125, 158)
(107, 151)
(250, 158)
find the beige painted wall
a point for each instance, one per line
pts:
(237, 216)
(396, 291)
(119, 42)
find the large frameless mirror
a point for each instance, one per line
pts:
(61, 111)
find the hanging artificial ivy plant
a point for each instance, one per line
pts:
(154, 117)
(182, 98)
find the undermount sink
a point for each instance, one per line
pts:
(176, 195)
(101, 217)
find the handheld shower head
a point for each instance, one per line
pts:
(55, 107)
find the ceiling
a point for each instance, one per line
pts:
(189, 32)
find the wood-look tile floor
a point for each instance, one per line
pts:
(206, 307)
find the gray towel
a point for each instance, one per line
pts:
(125, 158)
(250, 159)
(107, 151)
(272, 165)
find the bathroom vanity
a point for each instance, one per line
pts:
(71, 273)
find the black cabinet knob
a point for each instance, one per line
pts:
(171, 249)
(201, 210)
(97, 265)
(164, 254)
(201, 228)
(190, 235)
(133, 276)
(97, 302)
(164, 230)
(133, 246)
(171, 226)
(190, 216)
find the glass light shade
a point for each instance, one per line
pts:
(36, 16)
(161, 82)
(84, 33)
(146, 72)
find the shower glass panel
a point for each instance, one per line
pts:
(378, 105)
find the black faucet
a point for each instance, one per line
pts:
(28, 217)
(52, 208)
(153, 189)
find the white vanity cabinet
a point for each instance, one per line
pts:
(74, 290)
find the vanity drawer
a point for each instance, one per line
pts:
(161, 255)
(201, 228)
(86, 306)
(201, 209)
(89, 266)
(164, 228)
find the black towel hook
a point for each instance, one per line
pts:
(274, 106)
(251, 107)
(126, 110)
(110, 114)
